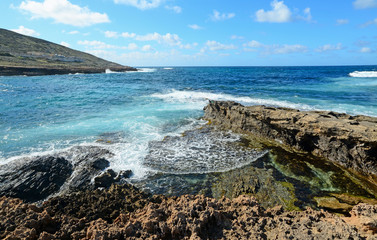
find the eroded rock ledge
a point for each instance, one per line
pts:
(350, 141)
(123, 212)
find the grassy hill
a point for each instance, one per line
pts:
(24, 55)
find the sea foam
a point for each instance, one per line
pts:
(363, 74)
(201, 99)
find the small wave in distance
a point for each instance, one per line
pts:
(363, 74)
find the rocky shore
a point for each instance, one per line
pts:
(123, 212)
(350, 141)
(312, 178)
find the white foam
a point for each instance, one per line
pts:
(109, 71)
(145, 70)
(168, 68)
(363, 74)
(202, 99)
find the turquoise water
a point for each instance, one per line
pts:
(125, 112)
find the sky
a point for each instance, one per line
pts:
(204, 32)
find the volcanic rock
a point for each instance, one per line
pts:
(350, 141)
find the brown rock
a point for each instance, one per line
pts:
(347, 140)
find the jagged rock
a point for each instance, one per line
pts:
(347, 140)
(34, 179)
(89, 215)
(105, 179)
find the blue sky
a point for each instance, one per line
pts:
(205, 32)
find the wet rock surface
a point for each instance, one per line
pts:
(347, 140)
(37, 178)
(140, 216)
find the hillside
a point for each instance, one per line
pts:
(24, 55)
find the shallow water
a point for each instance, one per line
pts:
(130, 113)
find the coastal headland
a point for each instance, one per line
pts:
(328, 157)
(24, 55)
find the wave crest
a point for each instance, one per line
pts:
(363, 74)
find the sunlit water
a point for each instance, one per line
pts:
(130, 113)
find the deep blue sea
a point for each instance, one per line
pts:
(125, 112)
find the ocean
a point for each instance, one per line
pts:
(131, 113)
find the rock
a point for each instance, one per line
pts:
(34, 179)
(105, 179)
(350, 141)
(37, 178)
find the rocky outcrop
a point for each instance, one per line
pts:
(350, 141)
(185, 217)
(37, 178)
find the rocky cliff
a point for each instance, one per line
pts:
(350, 141)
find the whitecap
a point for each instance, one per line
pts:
(145, 70)
(168, 68)
(201, 99)
(363, 74)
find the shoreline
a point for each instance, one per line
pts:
(40, 71)
(98, 202)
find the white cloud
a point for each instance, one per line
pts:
(215, 46)
(132, 46)
(188, 46)
(62, 11)
(65, 44)
(253, 44)
(234, 37)
(176, 9)
(362, 4)
(98, 45)
(141, 4)
(329, 47)
(111, 34)
(217, 16)
(370, 23)
(280, 13)
(274, 48)
(366, 50)
(285, 49)
(128, 35)
(342, 21)
(195, 26)
(169, 39)
(147, 48)
(26, 31)
(73, 32)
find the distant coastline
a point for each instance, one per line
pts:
(23, 55)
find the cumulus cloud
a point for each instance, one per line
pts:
(141, 4)
(217, 16)
(195, 26)
(216, 46)
(147, 48)
(274, 48)
(342, 21)
(169, 39)
(329, 47)
(176, 9)
(65, 44)
(362, 4)
(98, 45)
(280, 13)
(111, 34)
(62, 11)
(128, 35)
(26, 31)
